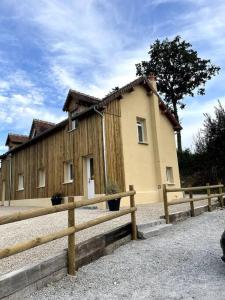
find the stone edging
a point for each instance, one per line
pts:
(18, 284)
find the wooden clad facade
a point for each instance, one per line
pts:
(125, 138)
(52, 150)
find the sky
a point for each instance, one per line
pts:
(48, 47)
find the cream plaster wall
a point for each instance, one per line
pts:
(145, 164)
(169, 154)
(139, 159)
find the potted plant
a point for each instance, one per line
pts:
(57, 198)
(111, 189)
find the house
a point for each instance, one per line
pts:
(128, 137)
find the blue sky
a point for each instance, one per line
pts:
(47, 47)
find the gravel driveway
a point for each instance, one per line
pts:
(32, 228)
(183, 263)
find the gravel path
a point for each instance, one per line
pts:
(28, 229)
(183, 263)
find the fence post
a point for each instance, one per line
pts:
(71, 240)
(209, 199)
(220, 198)
(165, 200)
(192, 204)
(133, 216)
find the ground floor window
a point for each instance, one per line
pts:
(68, 171)
(20, 182)
(41, 178)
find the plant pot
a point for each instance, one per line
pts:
(56, 200)
(114, 205)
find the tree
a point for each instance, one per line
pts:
(179, 71)
(115, 89)
(210, 145)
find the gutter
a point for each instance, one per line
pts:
(10, 178)
(104, 143)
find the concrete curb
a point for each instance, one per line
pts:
(21, 283)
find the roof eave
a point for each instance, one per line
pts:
(33, 140)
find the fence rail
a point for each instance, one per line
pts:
(72, 228)
(191, 200)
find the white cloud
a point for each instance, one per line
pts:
(85, 43)
(22, 101)
(193, 117)
(3, 149)
(90, 46)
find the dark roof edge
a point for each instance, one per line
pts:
(126, 88)
(89, 99)
(35, 139)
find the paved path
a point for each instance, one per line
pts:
(183, 263)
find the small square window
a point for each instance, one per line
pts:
(73, 124)
(20, 182)
(68, 172)
(141, 130)
(41, 178)
(169, 175)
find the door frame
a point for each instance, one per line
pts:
(3, 194)
(85, 175)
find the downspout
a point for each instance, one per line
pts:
(10, 179)
(104, 144)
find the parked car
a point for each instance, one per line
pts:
(222, 244)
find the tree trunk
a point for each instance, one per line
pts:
(179, 142)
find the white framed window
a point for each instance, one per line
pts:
(34, 133)
(20, 182)
(141, 130)
(68, 172)
(41, 178)
(169, 175)
(74, 124)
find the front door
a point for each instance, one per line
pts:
(90, 177)
(3, 192)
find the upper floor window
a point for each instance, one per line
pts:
(74, 124)
(141, 130)
(169, 175)
(34, 133)
(68, 172)
(20, 182)
(41, 178)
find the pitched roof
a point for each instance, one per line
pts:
(39, 126)
(128, 87)
(100, 105)
(80, 96)
(16, 138)
(36, 138)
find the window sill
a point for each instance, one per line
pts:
(170, 183)
(20, 190)
(71, 130)
(71, 181)
(40, 187)
(143, 143)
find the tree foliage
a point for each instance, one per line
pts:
(210, 143)
(207, 163)
(179, 71)
(115, 89)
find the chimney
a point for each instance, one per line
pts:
(151, 77)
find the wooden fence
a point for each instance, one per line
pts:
(191, 200)
(72, 228)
